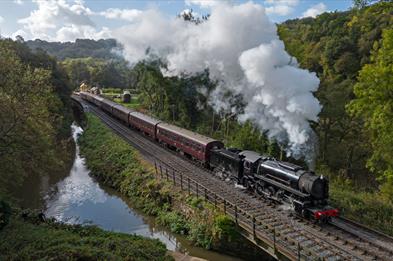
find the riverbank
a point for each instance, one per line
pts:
(118, 165)
(30, 237)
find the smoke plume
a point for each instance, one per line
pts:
(241, 49)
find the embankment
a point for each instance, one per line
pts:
(117, 164)
(30, 237)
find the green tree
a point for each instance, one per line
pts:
(374, 104)
(34, 113)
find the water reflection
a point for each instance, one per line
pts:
(79, 198)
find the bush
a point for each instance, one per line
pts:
(112, 90)
(5, 213)
(24, 240)
(369, 208)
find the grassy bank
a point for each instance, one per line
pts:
(370, 208)
(29, 238)
(118, 165)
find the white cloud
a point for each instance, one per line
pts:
(279, 10)
(21, 33)
(281, 7)
(18, 2)
(123, 14)
(72, 32)
(283, 2)
(315, 10)
(205, 3)
(1, 19)
(61, 20)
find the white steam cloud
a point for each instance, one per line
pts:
(241, 49)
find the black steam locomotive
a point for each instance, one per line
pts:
(285, 182)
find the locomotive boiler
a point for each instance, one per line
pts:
(295, 177)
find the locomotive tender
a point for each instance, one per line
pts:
(284, 182)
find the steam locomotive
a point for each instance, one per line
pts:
(283, 182)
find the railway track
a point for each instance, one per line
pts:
(281, 233)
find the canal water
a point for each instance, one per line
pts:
(79, 198)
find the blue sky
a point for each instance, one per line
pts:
(65, 20)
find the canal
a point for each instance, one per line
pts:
(76, 197)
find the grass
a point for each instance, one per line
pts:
(118, 165)
(370, 208)
(134, 103)
(30, 239)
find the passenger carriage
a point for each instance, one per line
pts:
(122, 113)
(144, 123)
(107, 105)
(190, 143)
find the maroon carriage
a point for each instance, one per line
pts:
(121, 112)
(192, 144)
(107, 105)
(144, 123)
(88, 97)
(95, 99)
(83, 95)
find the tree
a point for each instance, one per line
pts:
(363, 3)
(34, 98)
(374, 104)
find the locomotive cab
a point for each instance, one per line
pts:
(227, 162)
(250, 162)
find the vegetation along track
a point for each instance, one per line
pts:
(263, 221)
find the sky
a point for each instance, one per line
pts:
(67, 20)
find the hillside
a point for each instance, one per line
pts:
(336, 46)
(81, 48)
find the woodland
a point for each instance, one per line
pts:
(351, 52)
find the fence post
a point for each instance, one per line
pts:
(155, 167)
(274, 239)
(253, 227)
(160, 170)
(298, 251)
(181, 181)
(236, 214)
(215, 200)
(173, 174)
(197, 194)
(189, 187)
(205, 194)
(225, 206)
